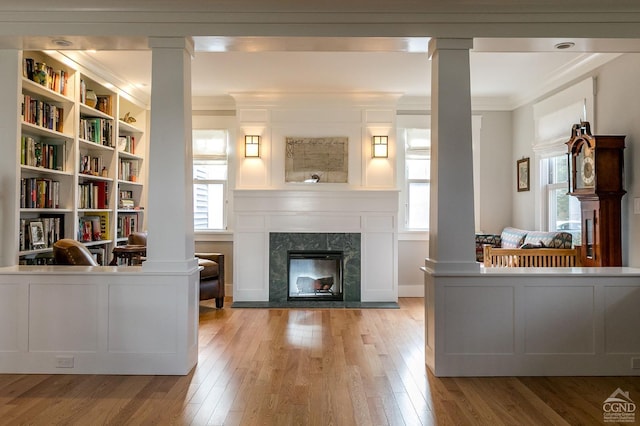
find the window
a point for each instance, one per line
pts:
(417, 172)
(563, 210)
(209, 179)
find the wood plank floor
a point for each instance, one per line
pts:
(308, 367)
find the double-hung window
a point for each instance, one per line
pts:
(209, 179)
(563, 210)
(417, 173)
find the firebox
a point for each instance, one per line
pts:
(315, 275)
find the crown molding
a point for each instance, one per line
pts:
(83, 62)
(316, 100)
(571, 71)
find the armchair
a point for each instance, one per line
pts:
(212, 277)
(71, 252)
(211, 274)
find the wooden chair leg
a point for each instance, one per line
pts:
(219, 302)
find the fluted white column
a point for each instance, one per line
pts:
(170, 205)
(451, 226)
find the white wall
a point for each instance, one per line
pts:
(496, 181)
(523, 138)
(411, 255)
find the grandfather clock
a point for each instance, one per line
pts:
(596, 179)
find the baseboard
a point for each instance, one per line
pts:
(411, 290)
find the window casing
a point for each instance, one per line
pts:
(210, 170)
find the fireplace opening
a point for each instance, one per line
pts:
(315, 275)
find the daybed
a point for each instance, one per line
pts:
(521, 248)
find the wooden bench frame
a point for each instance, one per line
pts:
(495, 257)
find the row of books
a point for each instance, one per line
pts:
(41, 73)
(125, 200)
(92, 164)
(43, 114)
(39, 259)
(127, 143)
(128, 170)
(42, 154)
(127, 223)
(124, 194)
(40, 233)
(94, 227)
(39, 193)
(93, 195)
(96, 130)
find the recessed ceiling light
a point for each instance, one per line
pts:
(61, 42)
(564, 45)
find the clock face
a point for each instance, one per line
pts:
(585, 167)
(588, 171)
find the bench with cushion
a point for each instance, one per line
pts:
(519, 248)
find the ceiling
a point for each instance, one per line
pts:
(507, 71)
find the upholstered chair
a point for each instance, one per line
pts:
(137, 239)
(211, 274)
(71, 252)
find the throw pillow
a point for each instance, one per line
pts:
(512, 237)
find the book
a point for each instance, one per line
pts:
(84, 229)
(96, 229)
(104, 225)
(90, 228)
(56, 226)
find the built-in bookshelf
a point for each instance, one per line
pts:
(82, 148)
(46, 146)
(131, 170)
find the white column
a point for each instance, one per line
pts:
(451, 226)
(170, 220)
(11, 71)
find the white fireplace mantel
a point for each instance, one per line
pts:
(318, 209)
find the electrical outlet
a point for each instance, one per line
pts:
(64, 362)
(635, 363)
(636, 206)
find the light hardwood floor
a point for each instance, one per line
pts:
(308, 367)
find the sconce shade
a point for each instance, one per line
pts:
(380, 147)
(251, 146)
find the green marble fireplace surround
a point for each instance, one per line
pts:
(280, 243)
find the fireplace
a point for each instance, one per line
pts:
(314, 256)
(315, 275)
(268, 223)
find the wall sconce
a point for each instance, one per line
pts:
(380, 147)
(251, 146)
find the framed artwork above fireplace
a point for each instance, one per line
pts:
(317, 160)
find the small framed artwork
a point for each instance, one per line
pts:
(523, 174)
(36, 232)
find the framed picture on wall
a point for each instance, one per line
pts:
(317, 160)
(523, 174)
